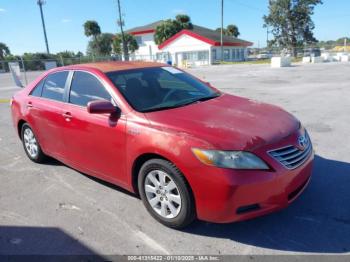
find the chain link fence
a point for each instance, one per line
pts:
(25, 70)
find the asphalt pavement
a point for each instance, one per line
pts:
(53, 209)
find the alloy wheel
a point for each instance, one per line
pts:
(30, 143)
(162, 194)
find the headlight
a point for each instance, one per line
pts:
(229, 159)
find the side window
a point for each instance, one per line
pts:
(54, 86)
(38, 89)
(85, 88)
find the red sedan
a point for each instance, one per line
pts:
(189, 150)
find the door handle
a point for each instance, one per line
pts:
(67, 116)
(29, 105)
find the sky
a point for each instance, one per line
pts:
(21, 29)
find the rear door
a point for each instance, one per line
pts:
(46, 105)
(95, 143)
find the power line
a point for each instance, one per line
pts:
(249, 6)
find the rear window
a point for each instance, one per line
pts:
(54, 86)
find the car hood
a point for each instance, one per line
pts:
(228, 122)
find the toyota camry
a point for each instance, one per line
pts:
(187, 149)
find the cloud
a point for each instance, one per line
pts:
(179, 11)
(66, 20)
(2, 10)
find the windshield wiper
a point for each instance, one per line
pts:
(152, 109)
(201, 99)
(191, 101)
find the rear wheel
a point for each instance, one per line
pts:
(166, 194)
(31, 145)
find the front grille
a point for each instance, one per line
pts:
(291, 156)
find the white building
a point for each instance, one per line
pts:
(196, 46)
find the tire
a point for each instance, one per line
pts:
(32, 147)
(175, 206)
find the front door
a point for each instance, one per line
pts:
(95, 143)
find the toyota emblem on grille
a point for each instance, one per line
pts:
(303, 142)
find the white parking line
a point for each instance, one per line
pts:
(151, 243)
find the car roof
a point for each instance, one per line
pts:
(114, 65)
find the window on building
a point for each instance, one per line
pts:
(196, 55)
(54, 86)
(242, 54)
(85, 88)
(233, 54)
(138, 39)
(164, 56)
(203, 55)
(238, 54)
(226, 54)
(214, 57)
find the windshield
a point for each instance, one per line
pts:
(160, 88)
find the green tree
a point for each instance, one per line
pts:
(4, 51)
(170, 27)
(101, 45)
(91, 28)
(184, 21)
(66, 54)
(131, 44)
(291, 23)
(230, 30)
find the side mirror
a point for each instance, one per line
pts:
(101, 107)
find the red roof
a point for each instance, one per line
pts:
(211, 41)
(204, 34)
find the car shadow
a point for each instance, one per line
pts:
(319, 221)
(26, 240)
(54, 162)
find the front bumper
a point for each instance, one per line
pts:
(226, 195)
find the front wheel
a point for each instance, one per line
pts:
(166, 194)
(31, 145)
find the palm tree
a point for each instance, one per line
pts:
(4, 51)
(131, 43)
(184, 21)
(170, 27)
(232, 30)
(91, 28)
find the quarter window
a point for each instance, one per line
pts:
(54, 86)
(38, 89)
(85, 88)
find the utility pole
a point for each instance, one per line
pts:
(121, 22)
(41, 3)
(222, 30)
(267, 36)
(345, 44)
